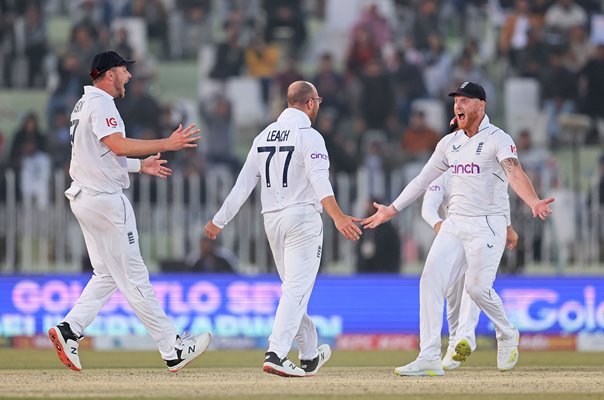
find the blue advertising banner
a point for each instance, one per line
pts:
(235, 306)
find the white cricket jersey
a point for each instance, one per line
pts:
(435, 206)
(436, 200)
(290, 160)
(478, 182)
(93, 165)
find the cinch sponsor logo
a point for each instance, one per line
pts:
(434, 188)
(316, 156)
(466, 169)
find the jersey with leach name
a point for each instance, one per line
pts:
(478, 183)
(290, 161)
(93, 165)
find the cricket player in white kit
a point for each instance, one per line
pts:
(290, 161)
(482, 159)
(462, 312)
(99, 169)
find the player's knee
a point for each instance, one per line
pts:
(477, 291)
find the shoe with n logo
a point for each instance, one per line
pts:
(311, 367)
(507, 352)
(188, 348)
(281, 366)
(66, 344)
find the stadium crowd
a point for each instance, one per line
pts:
(393, 58)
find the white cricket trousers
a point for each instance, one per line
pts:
(462, 312)
(296, 237)
(483, 241)
(109, 228)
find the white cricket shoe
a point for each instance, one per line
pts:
(311, 367)
(421, 367)
(448, 362)
(188, 348)
(281, 366)
(507, 352)
(66, 344)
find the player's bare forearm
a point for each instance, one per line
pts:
(383, 214)
(179, 139)
(345, 224)
(521, 184)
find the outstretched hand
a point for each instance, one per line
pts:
(541, 208)
(183, 137)
(347, 226)
(383, 214)
(153, 165)
(211, 230)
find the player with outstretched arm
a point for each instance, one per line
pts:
(99, 169)
(290, 161)
(462, 312)
(482, 159)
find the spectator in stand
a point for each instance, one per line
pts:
(218, 117)
(27, 141)
(122, 43)
(262, 61)
(437, 67)
(34, 175)
(418, 141)
(533, 57)
(376, 24)
(591, 86)
(230, 57)
(213, 259)
(69, 85)
(330, 84)
(285, 14)
(559, 95)
(31, 37)
(140, 109)
(9, 11)
(539, 165)
(466, 70)
(377, 95)
(426, 23)
(59, 140)
(580, 48)
(193, 28)
(342, 153)
(84, 47)
(156, 19)
(378, 250)
(514, 35)
(564, 15)
(291, 73)
(361, 51)
(408, 85)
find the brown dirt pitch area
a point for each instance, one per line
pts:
(140, 375)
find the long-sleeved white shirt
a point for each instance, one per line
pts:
(290, 160)
(478, 182)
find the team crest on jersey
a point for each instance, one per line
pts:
(456, 148)
(479, 148)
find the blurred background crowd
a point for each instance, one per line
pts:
(383, 68)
